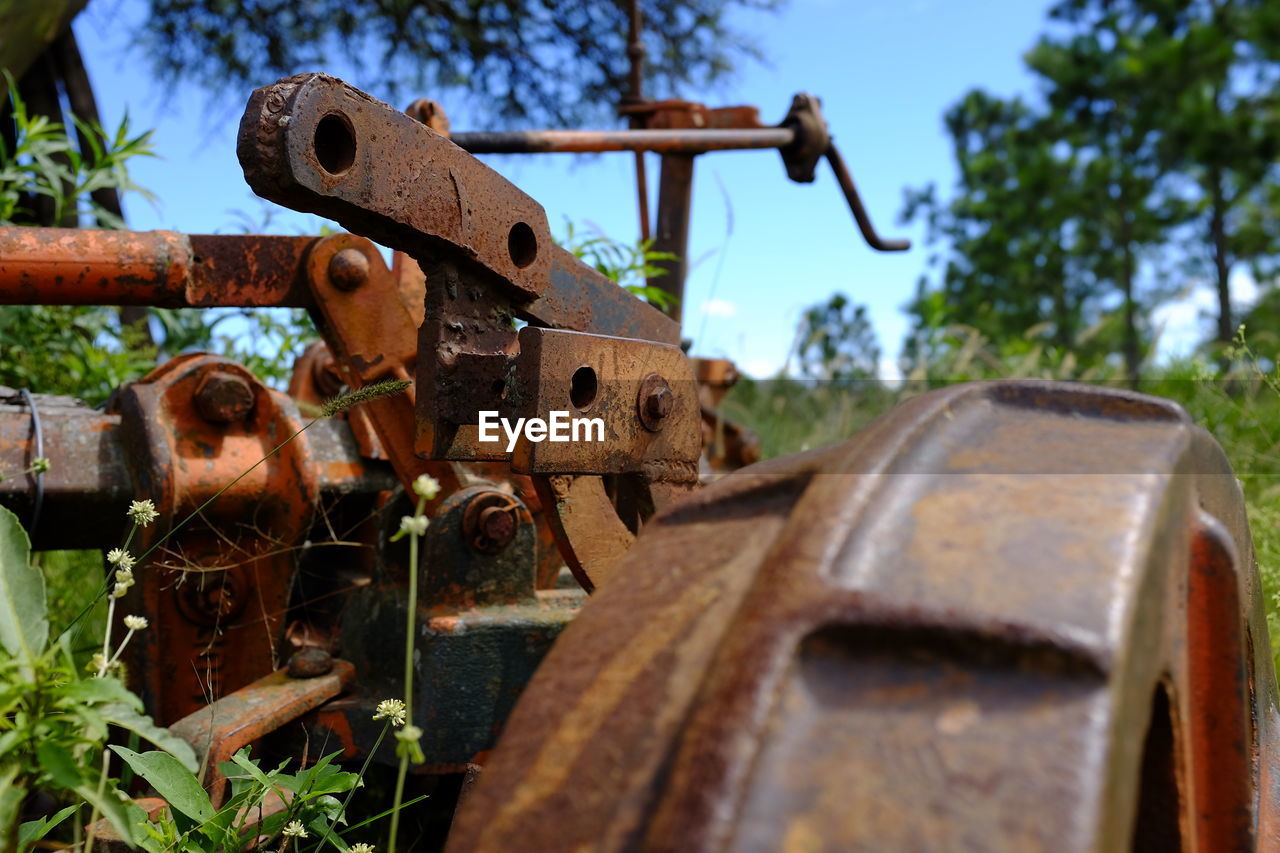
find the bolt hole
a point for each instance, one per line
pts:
(335, 144)
(582, 388)
(522, 245)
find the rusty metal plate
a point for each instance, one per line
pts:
(1006, 616)
(594, 377)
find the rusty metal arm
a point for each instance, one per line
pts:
(165, 269)
(387, 176)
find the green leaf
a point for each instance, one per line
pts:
(143, 726)
(102, 691)
(109, 807)
(34, 830)
(57, 761)
(175, 783)
(11, 796)
(24, 625)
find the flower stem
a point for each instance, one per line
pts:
(409, 631)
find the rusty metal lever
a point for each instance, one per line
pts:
(869, 233)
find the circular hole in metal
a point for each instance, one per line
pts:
(583, 388)
(335, 144)
(522, 245)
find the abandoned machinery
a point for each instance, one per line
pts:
(1008, 615)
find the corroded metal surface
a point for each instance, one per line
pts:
(217, 593)
(1007, 616)
(73, 266)
(406, 186)
(483, 629)
(88, 486)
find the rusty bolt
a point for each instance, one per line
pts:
(349, 269)
(490, 522)
(655, 402)
(310, 662)
(223, 397)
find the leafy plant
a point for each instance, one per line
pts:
(53, 721)
(291, 805)
(45, 162)
(629, 265)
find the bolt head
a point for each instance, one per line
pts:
(659, 403)
(310, 662)
(223, 398)
(349, 269)
(491, 522)
(498, 526)
(655, 402)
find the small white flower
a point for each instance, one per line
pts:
(143, 512)
(426, 486)
(390, 709)
(415, 524)
(295, 829)
(121, 588)
(121, 559)
(361, 848)
(135, 623)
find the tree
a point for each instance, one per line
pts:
(1151, 152)
(1224, 135)
(1008, 226)
(560, 60)
(835, 342)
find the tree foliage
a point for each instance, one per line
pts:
(1145, 165)
(558, 60)
(835, 342)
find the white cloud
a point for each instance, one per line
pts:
(719, 308)
(760, 368)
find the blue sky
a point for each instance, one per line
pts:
(764, 248)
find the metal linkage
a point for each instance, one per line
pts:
(679, 131)
(313, 143)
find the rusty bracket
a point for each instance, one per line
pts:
(220, 729)
(196, 427)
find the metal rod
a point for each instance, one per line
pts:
(860, 216)
(83, 266)
(593, 141)
(675, 198)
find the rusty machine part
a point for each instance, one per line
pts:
(314, 143)
(1007, 616)
(679, 131)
